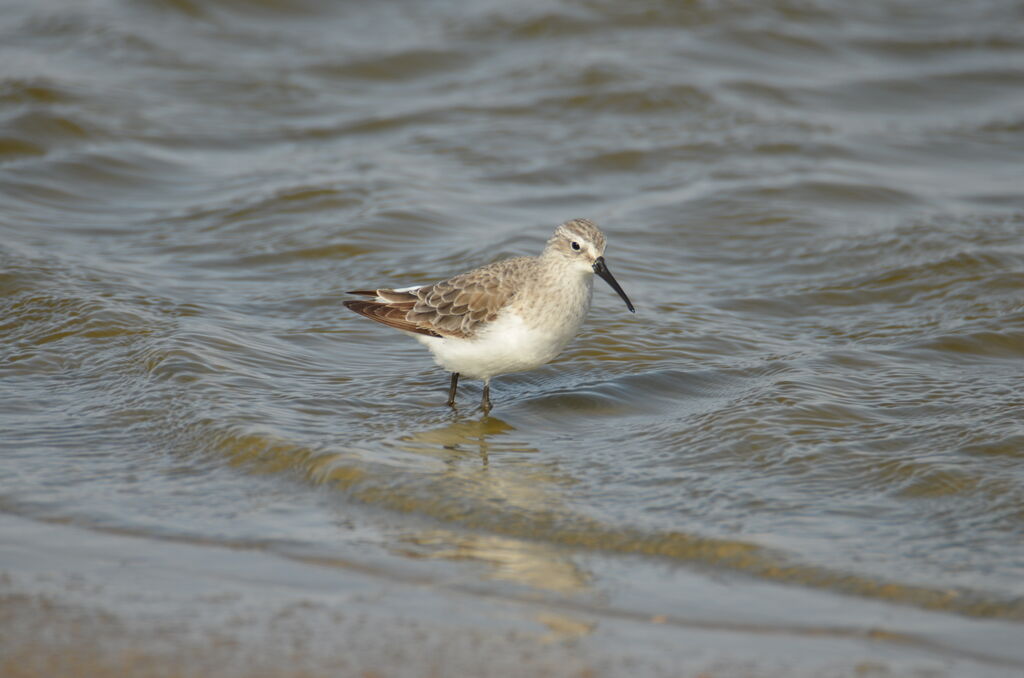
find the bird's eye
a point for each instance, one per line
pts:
(576, 246)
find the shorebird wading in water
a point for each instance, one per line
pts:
(510, 316)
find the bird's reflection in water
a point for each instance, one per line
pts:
(506, 498)
(532, 564)
(482, 436)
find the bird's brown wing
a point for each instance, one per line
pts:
(390, 308)
(456, 307)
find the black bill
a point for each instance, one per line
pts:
(601, 269)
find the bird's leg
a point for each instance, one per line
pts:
(452, 389)
(485, 402)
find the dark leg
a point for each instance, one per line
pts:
(451, 390)
(485, 403)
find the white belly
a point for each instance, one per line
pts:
(505, 345)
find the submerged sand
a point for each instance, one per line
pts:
(82, 602)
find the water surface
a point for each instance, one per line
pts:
(816, 207)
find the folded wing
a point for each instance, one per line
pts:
(456, 307)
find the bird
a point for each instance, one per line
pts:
(512, 315)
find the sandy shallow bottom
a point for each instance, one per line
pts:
(75, 602)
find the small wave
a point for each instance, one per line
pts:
(1006, 344)
(35, 90)
(518, 507)
(37, 133)
(395, 67)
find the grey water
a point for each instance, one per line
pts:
(817, 208)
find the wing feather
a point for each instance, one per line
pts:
(392, 316)
(457, 307)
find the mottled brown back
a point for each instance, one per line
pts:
(456, 307)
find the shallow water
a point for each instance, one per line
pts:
(817, 209)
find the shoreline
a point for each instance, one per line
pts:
(82, 602)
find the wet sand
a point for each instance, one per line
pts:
(77, 602)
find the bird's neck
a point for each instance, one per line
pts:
(560, 289)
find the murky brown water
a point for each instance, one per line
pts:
(817, 207)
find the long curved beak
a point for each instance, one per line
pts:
(601, 269)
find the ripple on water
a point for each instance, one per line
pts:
(522, 505)
(820, 386)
